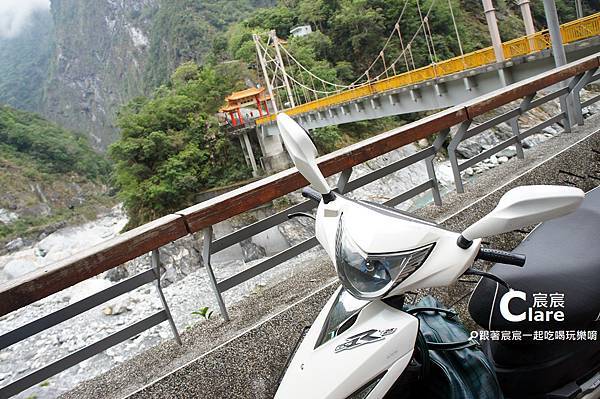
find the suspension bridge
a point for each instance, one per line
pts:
(393, 84)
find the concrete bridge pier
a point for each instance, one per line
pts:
(274, 156)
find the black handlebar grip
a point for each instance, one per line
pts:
(309, 193)
(498, 256)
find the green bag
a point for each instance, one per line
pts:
(453, 365)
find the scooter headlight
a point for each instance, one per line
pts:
(371, 276)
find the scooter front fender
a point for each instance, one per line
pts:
(377, 347)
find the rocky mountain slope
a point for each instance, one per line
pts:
(80, 62)
(97, 63)
(49, 177)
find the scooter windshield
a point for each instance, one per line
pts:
(340, 316)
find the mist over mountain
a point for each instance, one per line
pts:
(25, 58)
(15, 15)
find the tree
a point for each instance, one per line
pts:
(281, 19)
(358, 31)
(326, 138)
(314, 12)
(171, 146)
(52, 148)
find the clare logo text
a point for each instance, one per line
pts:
(546, 307)
(364, 338)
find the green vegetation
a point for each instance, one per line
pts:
(186, 30)
(350, 33)
(50, 148)
(204, 312)
(326, 138)
(171, 146)
(48, 175)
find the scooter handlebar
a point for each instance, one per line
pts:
(498, 256)
(309, 193)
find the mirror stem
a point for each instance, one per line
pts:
(463, 242)
(327, 198)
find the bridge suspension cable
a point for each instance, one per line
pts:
(396, 26)
(408, 46)
(301, 84)
(312, 74)
(292, 84)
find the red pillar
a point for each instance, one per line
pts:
(258, 105)
(267, 107)
(233, 121)
(240, 116)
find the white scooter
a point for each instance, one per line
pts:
(361, 342)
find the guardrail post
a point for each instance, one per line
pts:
(206, 244)
(155, 262)
(343, 180)
(578, 83)
(514, 124)
(462, 130)
(566, 109)
(437, 144)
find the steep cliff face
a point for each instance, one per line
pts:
(107, 52)
(24, 60)
(97, 65)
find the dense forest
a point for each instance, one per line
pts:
(171, 146)
(350, 33)
(184, 30)
(50, 148)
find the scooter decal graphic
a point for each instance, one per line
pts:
(364, 338)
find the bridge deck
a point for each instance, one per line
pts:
(573, 31)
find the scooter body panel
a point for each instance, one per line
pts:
(381, 340)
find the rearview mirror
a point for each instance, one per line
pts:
(524, 206)
(302, 151)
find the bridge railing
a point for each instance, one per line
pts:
(573, 31)
(149, 238)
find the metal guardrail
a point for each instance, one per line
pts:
(571, 112)
(573, 31)
(74, 309)
(150, 237)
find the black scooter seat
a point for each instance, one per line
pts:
(563, 257)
